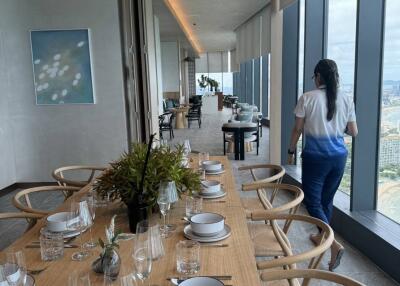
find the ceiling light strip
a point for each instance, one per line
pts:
(178, 13)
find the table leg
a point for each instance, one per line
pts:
(236, 144)
(242, 151)
(179, 124)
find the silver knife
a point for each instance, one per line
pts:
(65, 246)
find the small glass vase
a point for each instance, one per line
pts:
(108, 263)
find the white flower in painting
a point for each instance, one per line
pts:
(65, 68)
(57, 57)
(75, 82)
(64, 92)
(39, 88)
(36, 62)
(78, 76)
(56, 64)
(45, 85)
(45, 67)
(42, 75)
(61, 73)
(54, 96)
(80, 44)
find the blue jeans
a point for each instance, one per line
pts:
(321, 178)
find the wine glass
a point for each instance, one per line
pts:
(129, 280)
(186, 148)
(15, 268)
(147, 228)
(92, 212)
(78, 279)
(164, 205)
(78, 220)
(142, 255)
(172, 198)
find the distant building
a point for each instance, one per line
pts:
(389, 151)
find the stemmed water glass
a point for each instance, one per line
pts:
(142, 254)
(172, 198)
(92, 212)
(164, 205)
(15, 268)
(78, 279)
(79, 218)
(186, 148)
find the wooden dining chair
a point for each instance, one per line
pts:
(309, 274)
(289, 259)
(262, 234)
(275, 175)
(22, 199)
(31, 218)
(59, 175)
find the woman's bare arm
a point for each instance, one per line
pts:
(351, 129)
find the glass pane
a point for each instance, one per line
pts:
(342, 16)
(217, 77)
(389, 149)
(299, 146)
(227, 83)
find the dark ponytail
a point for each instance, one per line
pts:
(329, 76)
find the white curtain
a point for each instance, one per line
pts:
(266, 30)
(234, 62)
(215, 62)
(253, 38)
(201, 64)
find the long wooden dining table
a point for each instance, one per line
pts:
(236, 260)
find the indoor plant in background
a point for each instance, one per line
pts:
(135, 177)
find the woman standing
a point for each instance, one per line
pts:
(325, 115)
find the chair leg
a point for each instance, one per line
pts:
(172, 130)
(199, 121)
(161, 134)
(224, 144)
(170, 134)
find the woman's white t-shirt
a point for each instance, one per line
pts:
(323, 137)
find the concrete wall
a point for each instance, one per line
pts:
(36, 139)
(170, 66)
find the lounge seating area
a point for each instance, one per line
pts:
(112, 116)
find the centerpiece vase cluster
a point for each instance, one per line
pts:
(135, 178)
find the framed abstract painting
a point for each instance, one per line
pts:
(62, 67)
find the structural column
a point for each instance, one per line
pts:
(367, 94)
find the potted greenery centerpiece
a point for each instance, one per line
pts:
(135, 177)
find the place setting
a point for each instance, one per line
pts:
(211, 189)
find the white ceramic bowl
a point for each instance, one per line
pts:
(58, 222)
(201, 281)
(207, 224)
(210, 187)
(212, 165)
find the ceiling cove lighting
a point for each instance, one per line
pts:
(177, 11)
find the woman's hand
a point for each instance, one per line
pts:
(290, 159)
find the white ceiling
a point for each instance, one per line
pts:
(215, 20)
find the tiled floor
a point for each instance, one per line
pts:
(209, 139)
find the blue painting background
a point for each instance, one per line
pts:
(61, 63)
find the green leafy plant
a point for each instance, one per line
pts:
(205, 81)
(123, 180)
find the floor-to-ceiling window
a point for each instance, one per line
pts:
(300, 78)
(342, 17)
(227, 79)
(389, 149)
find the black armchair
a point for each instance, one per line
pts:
(194, 114)
(165, 123)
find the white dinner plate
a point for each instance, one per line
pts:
(201, 281)
(66, 234)
(225, 233)
(221, 193)
(216, 172)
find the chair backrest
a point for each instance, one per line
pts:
(59, 175)
(22, 200)
(289, 259)
(290, 207)
(30, 217)
(310, 274)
